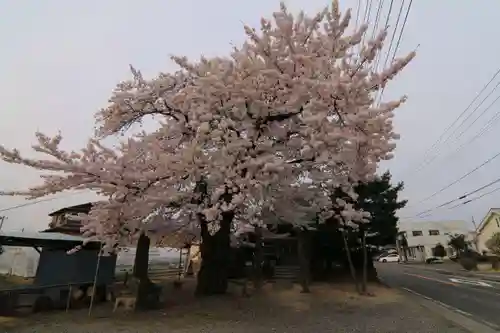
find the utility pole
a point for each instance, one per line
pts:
(475, 234)
(2, 220)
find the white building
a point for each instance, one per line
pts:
(489, 226)
(422, 237)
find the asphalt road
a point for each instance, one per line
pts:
(475, 298)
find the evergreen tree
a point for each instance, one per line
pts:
(439, 251)
(380, 198)
(459, 242)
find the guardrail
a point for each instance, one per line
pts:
(155, 272)
(286, 272)
(162, 273)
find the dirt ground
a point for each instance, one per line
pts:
(278, 308)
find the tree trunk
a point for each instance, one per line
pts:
(365, 263)
(349, 260)
(258, 259)
(215, 257)
(304, 260)
(140, 272)
(402, 247)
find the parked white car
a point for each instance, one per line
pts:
(393, 257)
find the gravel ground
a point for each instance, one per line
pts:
(329, 308)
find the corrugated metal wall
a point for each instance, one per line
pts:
(57, 267)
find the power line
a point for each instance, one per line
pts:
(366, 18)
(402, 30)
(472, 113)
(386, 25)
(394, 34)
(493, 120)
(487, 126)
(459, 198)
(476, 198)
(477, 118)
(377, 17)
(368, 9)
(375, 26)
(358, 10)
(447, 129)
(461, 178)
(433, 158)
(398, 42)
(36, 202)
(428, 213)
(357, 15)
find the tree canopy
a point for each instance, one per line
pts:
(379, 197)
(459, 242)
(296, 101)
(493, 244)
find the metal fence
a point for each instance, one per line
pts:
(35, 298)
(286, 273)
(164, 273)
(155, 272)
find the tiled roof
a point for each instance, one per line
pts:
(41, 235)
(65, 229)
(83, 208)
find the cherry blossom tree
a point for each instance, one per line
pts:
(300, 97)
(295, 101)
(302, 91)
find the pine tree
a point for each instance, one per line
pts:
(380, 198)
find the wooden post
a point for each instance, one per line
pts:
(304, 258)
(179, 265)
(258, 259)
(68, 301)
(365, 262)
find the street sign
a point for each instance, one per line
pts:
(471, 282)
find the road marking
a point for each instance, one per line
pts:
(451, 308)
(471, 282)
(437, 302)
(431, 279)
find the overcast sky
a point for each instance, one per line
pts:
(60, 60)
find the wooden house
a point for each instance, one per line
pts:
(67, 221)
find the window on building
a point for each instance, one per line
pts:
(433, 232)
(498, 222)
(417, 233)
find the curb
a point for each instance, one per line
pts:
(456, 316)
(383, 283)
